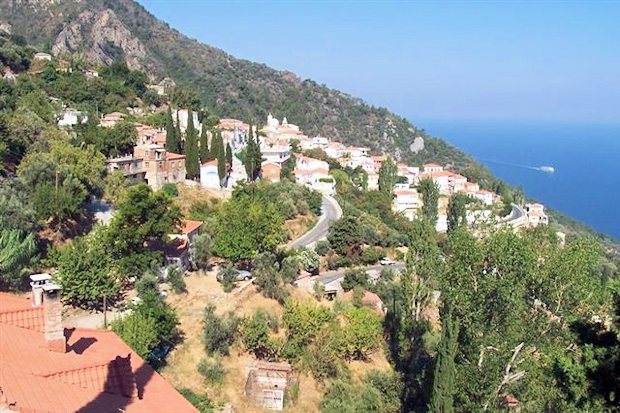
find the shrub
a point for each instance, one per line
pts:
(342, 262)
(319, 290)
(227, 275)
(371, 255)
(148, 283)
(309, 261)
(255, 334)
(220, 332)
(268, 278)
(170, 190)
(322, 247)
(387, 274)
(199, 401)
(212, 371)
(290, 269)
(354, 278)
(176, 281)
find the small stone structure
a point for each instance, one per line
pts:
(267, 383)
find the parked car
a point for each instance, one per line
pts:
(242, 275)
(386, 261)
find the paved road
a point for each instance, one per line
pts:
(516, 215)
(331, 212)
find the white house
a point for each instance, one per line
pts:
(536, 215)
(441, 179)
(430, 168)
(305, 162)
(182, 115)
(409, 172)
(209, 178)
(456, 183)
(406, 201)
(318, 179)
(71, 117)
(487, 197)
(275, 151)
(335, 150)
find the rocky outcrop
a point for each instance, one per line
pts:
(106, 37)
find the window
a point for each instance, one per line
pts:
(146, 164)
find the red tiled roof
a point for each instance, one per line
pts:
(190, 226)
(210, 163)
(170, 156)
(432, 165)
(98, 373)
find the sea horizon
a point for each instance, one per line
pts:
(584, 155)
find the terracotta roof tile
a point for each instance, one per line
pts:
(190, 226)
(98, 373)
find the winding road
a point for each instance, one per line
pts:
(331, 213)
(517, 217)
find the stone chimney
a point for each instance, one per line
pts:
(52, 312)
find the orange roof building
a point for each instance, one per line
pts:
(45, 367)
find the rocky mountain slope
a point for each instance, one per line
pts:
(106, 30)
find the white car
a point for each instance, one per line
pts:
(386, 261)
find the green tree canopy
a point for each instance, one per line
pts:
(246, 227)
(430, 198)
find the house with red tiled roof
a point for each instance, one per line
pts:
(536, 215)
(47, 367)
(271, 171)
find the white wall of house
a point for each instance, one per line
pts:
(209, 178)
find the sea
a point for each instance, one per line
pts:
(585, 184)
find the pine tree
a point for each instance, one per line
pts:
(204, 145)
(172, 139)
(229, 155)
(442, 398)
(192, 158)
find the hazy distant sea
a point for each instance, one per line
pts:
(586, 158)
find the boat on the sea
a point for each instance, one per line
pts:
(548, 169)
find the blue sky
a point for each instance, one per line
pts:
(554, 60)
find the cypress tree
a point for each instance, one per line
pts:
(442, 398)
(217, 145)
(229, 155)
(192, 157)
(204, 144)
(221, 166)
(179, 148)
(249, 160)
(172, 139)
(258, 158)
(387, 176)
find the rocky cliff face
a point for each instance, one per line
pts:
(103, 38)
(102, 31)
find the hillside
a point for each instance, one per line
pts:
(104, 31)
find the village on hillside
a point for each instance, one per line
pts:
(78, 366)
